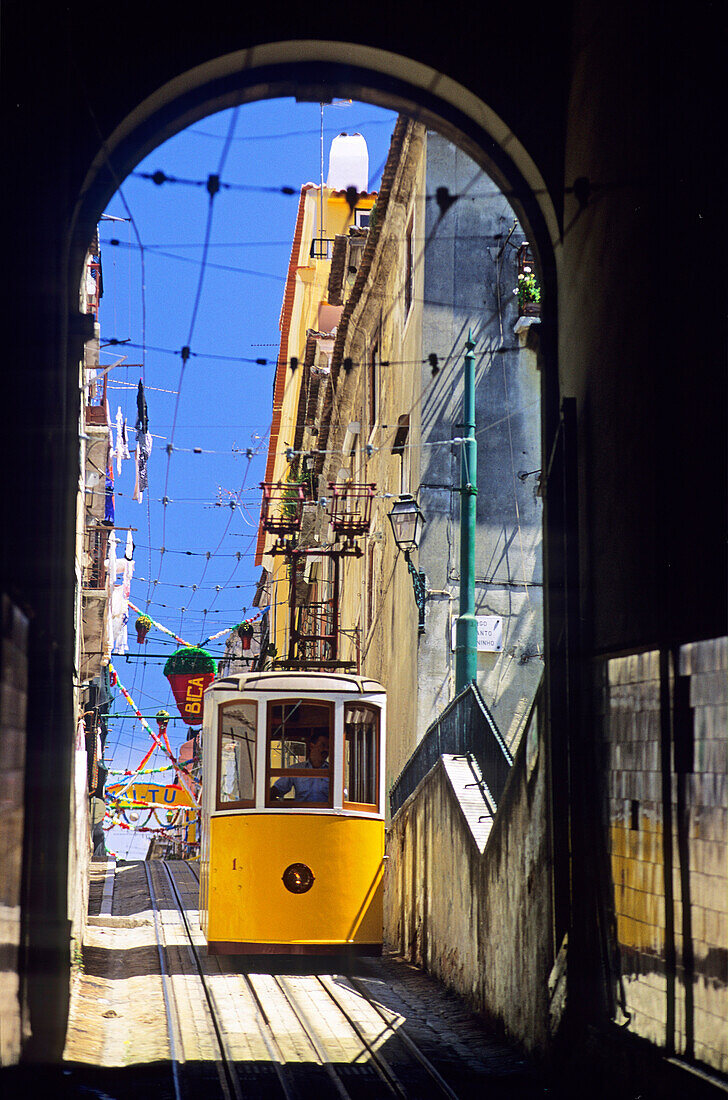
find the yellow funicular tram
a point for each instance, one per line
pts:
(292, 820)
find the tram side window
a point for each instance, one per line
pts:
(361, 755)
(238, 732)
(300, 739)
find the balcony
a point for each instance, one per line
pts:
(351, 509)
(282, 507)
(94, 562)
(96, 401)
(322, 248)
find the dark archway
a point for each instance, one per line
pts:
(307, 70)
(602, 94)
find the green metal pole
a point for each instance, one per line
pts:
(466, 629)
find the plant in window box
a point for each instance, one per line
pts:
(245, 633)
(189, 671)
(143, 626)
(528, 293)
(296, 478)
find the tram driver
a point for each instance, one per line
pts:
(313, 788)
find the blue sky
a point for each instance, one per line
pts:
(221, 406)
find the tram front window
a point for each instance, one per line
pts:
(238, 731)
(300, 736)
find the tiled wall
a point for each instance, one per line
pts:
(673, 957)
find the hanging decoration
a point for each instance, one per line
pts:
(230, 629)
(109, 496)
(184, 779)
(159, 626)
(244, 631)
(143, 626)
(190, 671)
(149, 794)
(141, 771)
(144, 445)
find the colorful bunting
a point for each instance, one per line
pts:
(181, 773)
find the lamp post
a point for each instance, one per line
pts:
(466, 628)
(407, 520)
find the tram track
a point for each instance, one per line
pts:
(276, 1033)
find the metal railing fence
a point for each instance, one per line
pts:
(465, 726)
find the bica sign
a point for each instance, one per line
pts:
(188, 689)
(169, 795)
(490, 633)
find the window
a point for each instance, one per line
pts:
(371, 582)
(373, 386)
(361, 756)
(409, 277)
(300, 737)
(401, 447)
(237, 725)
(362, 218)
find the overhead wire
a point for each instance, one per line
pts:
(206, 263)
(213, 188)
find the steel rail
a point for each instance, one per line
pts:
(406, 1040)
(173, 1031)
(313, 1039)
(225, 1064)
(265, 1027)
(268, 1035)
(380, 1063)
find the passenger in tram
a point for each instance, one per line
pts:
(308, 789)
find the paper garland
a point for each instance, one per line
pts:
(141, 771)
(159, 626)
(180, 772)
(212, 638)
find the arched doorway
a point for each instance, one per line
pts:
(313, 71)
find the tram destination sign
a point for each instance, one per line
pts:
(490, 633)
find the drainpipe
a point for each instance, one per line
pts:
(466, 628)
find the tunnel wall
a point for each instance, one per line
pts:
(616, 109)
(664, 726)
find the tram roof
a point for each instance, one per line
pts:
(299, 682)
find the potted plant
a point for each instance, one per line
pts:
(143, 626)
(189, 671)
(245, 633)
(528, 293)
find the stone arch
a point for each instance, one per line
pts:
(318, 70)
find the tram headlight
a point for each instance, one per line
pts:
(298, 878)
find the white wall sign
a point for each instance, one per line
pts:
(490, 633)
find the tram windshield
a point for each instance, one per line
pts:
(300, 740)
(238, 733)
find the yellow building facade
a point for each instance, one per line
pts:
(308, 325)
(346, 415)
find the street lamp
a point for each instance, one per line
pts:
(407, 520)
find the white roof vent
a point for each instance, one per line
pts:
(348, 163)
